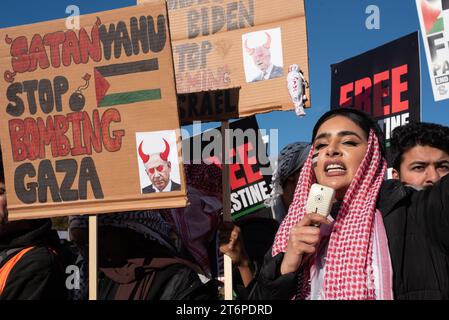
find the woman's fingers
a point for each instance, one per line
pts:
(307, 248)
(313, 219)
(232, 240)
(309, 239)
(312, 230)
(304, 238)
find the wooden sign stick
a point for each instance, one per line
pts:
(93, 254)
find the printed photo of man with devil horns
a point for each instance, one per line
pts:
(158, 168)
(261, 56)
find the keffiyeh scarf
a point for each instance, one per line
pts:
(348, 270)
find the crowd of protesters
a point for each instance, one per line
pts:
(384, 238)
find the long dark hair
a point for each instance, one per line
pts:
(360, 118)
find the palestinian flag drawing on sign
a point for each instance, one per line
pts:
(431, 13)
(107, 83)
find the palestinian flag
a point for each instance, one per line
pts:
(108, 80)
(431, 13)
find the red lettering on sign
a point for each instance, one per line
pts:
(345, 90)
(380, 93)
(38, 54)
(32, 131)
(114, 143)
(369, 92)
(70, 49)
(29, 137)
(47, 136)
(67, 47)
(92, 133)
(397, 104)
(16, 133)
(53, 40)
(362, 93)
(19, 53)
(242, 173)
(248, 162)
(76, 118)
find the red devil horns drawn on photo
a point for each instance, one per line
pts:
(164, 155)
(266, 45)
(146, 157)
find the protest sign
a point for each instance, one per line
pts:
(434, 21)
(89, 122)
(240, 44)
(249, 166)
(384, 82)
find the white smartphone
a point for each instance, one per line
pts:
(320, 200)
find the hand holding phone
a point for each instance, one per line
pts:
(303, 241)
(303, 237)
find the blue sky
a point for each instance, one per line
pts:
(336, 31)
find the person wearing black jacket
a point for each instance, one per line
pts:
(38, 274)
(416, 225)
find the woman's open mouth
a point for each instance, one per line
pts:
(334, 168)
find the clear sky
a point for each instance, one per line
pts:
(336, 31)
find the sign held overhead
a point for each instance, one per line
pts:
(77, 106)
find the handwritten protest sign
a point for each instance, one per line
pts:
(89, 117)
(245, 44)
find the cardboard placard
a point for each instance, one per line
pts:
(225, 44)
(90, 120)
(384, 82)
(214, 105)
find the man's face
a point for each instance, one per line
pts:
(262, 58)
(422, 166)
(158, 171)
(3, 211)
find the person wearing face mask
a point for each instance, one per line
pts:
(382, 240)
(420, 153)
